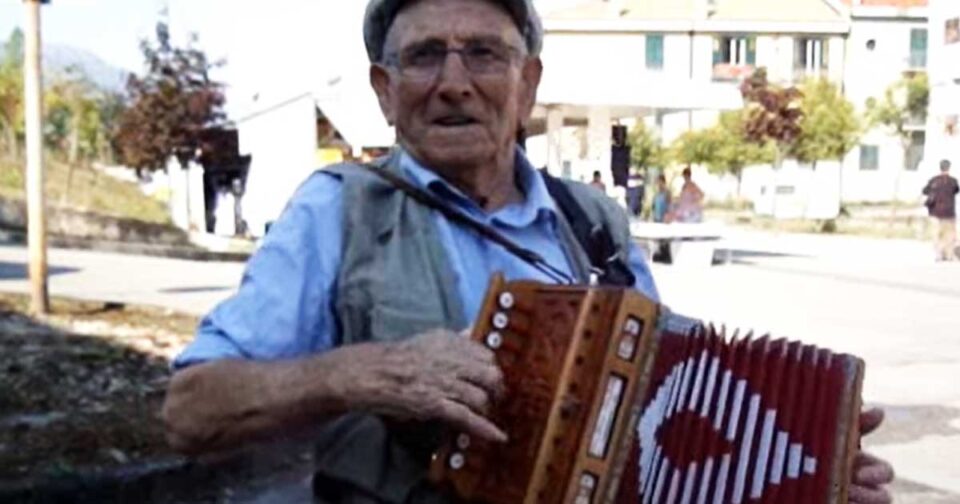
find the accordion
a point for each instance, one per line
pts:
(613, 399)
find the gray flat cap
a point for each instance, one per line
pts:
(380, 15)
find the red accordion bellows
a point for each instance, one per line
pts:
(611, 399)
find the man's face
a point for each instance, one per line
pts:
(456, 109)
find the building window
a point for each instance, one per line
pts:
(735, 51)
(809, 57)
(871, 44)
(869, 157)
(654, 52)
(734, 57)
(918, 48)
(915, 151)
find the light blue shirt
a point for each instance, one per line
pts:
(284, 306)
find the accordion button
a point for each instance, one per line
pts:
(506, 300)
(463, 441)
(494, 340)
(457, 461)
(500, 320)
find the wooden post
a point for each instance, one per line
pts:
(33, 114)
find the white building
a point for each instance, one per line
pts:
(887, 41)
(282, 138)
(678, 63)
(943, 120)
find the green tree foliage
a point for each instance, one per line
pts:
(170, 106)
(829, 126)
(904, 104)
(11, 92)
(733, 151)
(722, 148)
(693, 147)
(646, 149)
(73, 123)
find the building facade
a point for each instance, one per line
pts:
(678, 63)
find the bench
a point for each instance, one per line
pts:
(690, 244)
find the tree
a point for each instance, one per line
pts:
(829, 127)
(11, 92)
(646, 149)
(903, 106)
(693, 147)
(170, 106)
(732, 151)
(723, 148)
(772, 114)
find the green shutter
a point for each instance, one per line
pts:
(654, 52)
(751, 50)
(918, 48)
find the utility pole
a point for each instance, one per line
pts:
(33, 115)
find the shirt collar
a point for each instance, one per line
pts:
(537, 201)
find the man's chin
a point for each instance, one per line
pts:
(456, 156)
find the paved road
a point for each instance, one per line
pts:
(884, 300)
(188, 286)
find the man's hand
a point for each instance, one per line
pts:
(439, 375)
(870, 473)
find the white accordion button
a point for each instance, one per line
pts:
(463, 441)
(457, 461)
(500, 320)
(632, 326)
(494, 340)
(506, 300)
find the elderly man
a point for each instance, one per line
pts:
(348, 316)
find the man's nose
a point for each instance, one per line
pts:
(454, 81)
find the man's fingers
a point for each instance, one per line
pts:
(461, 417)
(471, 396)
(870, 420)
(486, 376)
(871, 471)
(868, 495)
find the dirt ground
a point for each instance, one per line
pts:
(83, 386)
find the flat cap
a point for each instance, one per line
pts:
(381, 13)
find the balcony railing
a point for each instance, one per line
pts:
(732, 71)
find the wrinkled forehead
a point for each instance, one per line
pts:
(452, 21)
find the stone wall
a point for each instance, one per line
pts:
(72, 223)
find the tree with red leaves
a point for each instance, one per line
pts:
(170, 106)
(772, 113)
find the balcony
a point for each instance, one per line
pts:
(732, 72)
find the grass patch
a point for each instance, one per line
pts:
(89, 191)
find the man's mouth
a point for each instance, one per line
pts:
(454, 121)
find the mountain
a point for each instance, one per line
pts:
(59, 58)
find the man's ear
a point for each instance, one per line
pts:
(380, 81)
(529, 82)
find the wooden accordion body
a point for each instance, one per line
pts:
(612, 399)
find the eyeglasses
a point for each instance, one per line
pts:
(424, 61)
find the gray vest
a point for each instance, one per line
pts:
(394, 282)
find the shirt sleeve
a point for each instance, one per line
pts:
(283, 307)
(641, 270)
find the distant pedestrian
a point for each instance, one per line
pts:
(941, 202)
(661, 200)
(690, 202)
(597, 182)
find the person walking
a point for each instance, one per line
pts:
(941, 192)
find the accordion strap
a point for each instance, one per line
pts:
(429, 200)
